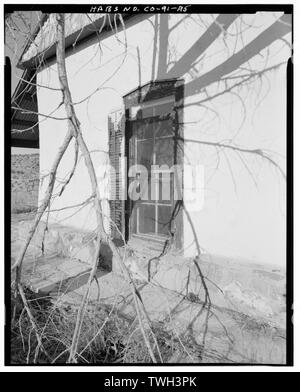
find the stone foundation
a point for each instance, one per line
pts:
(24, 182)
(251, 289)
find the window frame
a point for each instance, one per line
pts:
(149, 95)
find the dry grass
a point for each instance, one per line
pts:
(260, 342)
(108, 337)
(105, 338)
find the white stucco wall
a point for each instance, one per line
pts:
(243, 214)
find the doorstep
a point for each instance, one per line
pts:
(56, 275)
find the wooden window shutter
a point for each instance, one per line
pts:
(116, 129)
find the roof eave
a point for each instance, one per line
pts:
(87, 32)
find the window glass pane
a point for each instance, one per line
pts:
(160, 188)
(143, 130)
(147, 112)
(163, 109)
(146, 219)
(164, 219)
(163, 128)
(166, 188)
(139, 112)
(145, 153)
(164, 152)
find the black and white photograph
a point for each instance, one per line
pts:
(148, 186)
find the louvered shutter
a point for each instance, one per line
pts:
(116, 129)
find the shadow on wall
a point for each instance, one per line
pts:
(164, 69)
(168, 69)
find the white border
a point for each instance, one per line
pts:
(173, 369)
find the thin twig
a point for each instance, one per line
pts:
(32, 320)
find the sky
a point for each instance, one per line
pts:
(18, 29)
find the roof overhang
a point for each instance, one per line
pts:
(40, 48)
(78, 28)
(24, 118)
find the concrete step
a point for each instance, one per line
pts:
(56, 275)
(231, 336)
(146, 249)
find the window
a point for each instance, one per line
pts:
(151, 149)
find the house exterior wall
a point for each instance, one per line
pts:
(240, 207)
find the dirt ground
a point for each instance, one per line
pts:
(238, 328)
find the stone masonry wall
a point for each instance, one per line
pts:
(24, 182)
